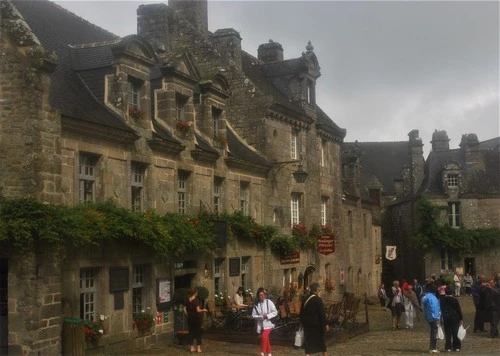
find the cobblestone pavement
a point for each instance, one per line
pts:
(379, 341)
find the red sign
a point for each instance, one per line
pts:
(290, 258)
(326, 244)
(159, 318)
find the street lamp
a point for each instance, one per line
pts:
(299, 175)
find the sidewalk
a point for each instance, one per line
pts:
(379, 341)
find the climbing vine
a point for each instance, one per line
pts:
(431, 233)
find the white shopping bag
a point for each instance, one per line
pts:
(299, 337)
(440, 333)
(461, 332)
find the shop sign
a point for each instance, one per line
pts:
(293, 257)
(326, 244)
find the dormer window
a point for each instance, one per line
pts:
(216, 115)
(311, 92)
(134, 92)
(452, 180)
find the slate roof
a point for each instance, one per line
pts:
(482, 182)
(380, 160)
(57, 29)
(242, 152)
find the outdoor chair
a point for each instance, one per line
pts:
(333, 314)
(217, 318)
(350, 313)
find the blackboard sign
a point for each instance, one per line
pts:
(220, 232)
(234, 266)
(118, 279)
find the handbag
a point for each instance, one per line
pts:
(299, 337)
(461, 332)
(440, 333)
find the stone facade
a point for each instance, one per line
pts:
(169, 120)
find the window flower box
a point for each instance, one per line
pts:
(184, 126)
(136, 113)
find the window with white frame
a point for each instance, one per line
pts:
(217, 194)
(138, 288)
(294, 144)
(452, 180)
(87, 177)
(182, 183)
(446, 260)
(180, 106)
(88, 293)
(245, 270)
(245, 198)
(324, 202)
(294, 209)
(218, 272)
(137, 186)
(311, 92)
(323, 153)
(454, 214)
(216, 115)
(134, 92)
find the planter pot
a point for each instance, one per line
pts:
(181, 327)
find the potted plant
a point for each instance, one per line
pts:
(202, 295)
(184, 126)
(136, 113)
(93, 330)
(180, 319)
(144, 320)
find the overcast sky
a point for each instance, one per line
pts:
(386, 67)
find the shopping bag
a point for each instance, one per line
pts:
(440, 333)
(299, 337)
(461, 332)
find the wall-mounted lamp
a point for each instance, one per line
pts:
(378, 258)
(300, 175)
(206, 271)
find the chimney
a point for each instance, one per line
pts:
(416, 160)
(470, 149)
(152, 24)
(440, 141)
(270, 52)
(195, 11)
(228, 43)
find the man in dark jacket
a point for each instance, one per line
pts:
(313, 320)
(490, 302)
(417, 288)
(479, 315)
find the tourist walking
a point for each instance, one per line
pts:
(452, 319)
(432, 314)
(458, 285)
(396, 304)
(479, 315)
(263, 312)
(382, 296)
(468, 284)
(410, 304)
(193, 311)
(313, 320)
(417, 288)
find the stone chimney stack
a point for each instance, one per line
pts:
(470, 149)
(152, 24)
(195, 11)
(440, 141)
(417, 161)
(228, 42)
(270, 52)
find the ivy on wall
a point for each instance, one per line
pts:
(431, 233)
(24, 220)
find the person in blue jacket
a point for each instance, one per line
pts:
(432, 313)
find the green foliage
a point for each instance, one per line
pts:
(202, 292)
(462, 240)
(284, 244)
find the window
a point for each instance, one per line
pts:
(452, 180)
(294, 209)
(137, 186)
(245, 269)
(87, 177)
(182, 181)
(245, 198)
(323, 153)
(311, 95)
(218, 271)
(217, 195)
(134, 90)
(216, 115)
(88, 290)
(350, 224)
(324, 201)
(446, 260)
(293, 145)
(138, 288)
(454, 214)
(180, 103)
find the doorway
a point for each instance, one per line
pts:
(4, 296)
(308, 276)
(470, 266)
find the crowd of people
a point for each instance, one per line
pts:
(437, 300)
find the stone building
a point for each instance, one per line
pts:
(175, 119)
(464, 184)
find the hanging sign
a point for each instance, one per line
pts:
(342, 277)
(390, 252)
(293, 257)
(326, 244)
